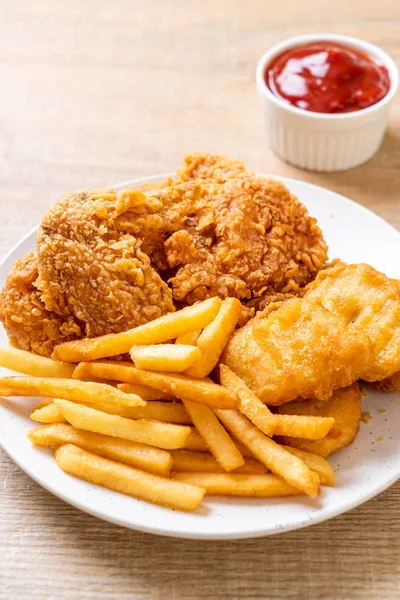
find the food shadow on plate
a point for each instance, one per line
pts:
(20, 406)
(375, 447)
(220, 502)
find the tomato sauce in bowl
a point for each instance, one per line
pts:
(327, 77)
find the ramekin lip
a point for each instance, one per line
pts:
(373, 50)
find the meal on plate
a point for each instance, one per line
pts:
(189, 337)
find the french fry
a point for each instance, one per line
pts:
(130, 453)
(151, 394)
(181, 386)
(251, 406)
(69, 389)
(107, 381)
(165, 328)
(48, 414)
(214, 337)
(165, 357)
(168, 412)
(42, 403)
(215, 436)
(33, 364)
(274, 457)
(196, 443)
(160, 435)
(307, 427)
(127, 480)
(189, 338)
(145, 392)
(303, 426)
(233, 484)
(203, 462)
(315, 463)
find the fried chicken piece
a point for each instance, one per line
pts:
(347, 327)
(165, 210)
(249, 238)
(371, 301)
(389, 384)
(300, 349)
(91, 271)
(246, 237)
(28, 323)
(379, 316)
(218, 230)
(344, 405)
(105, 259)
(210, 166)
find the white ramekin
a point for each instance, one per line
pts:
(325, 142)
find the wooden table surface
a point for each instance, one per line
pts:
(96, 92)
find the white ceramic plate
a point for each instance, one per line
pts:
(363, 470)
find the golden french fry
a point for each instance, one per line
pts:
(214, 337)
(251, 466)
(251, 406)
(152, 394)
(107, 381)
(127, 480)
(48, 414)
(145, 392)
(168, 412)
(69, 389)
(187, 460)
(181, 386)
(215, 436)
(189, 338)
(165, 328)
(315, 463)
(165, 357)
(196, 443)
(303, 426)
(307, 427)
(233, 484)
(153, 433)
(203, 462)
(33, 364)
(274, 457)
(42, 403)
(130, 453)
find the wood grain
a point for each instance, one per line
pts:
(96, 92)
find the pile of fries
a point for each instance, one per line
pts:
(157, 427)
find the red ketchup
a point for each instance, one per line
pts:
(326, 77)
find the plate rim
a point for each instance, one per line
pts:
(319, 517)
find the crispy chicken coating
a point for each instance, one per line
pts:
(109, 261)
(363, 296)
(211, 167)
(29, 325)
(345, 328)
(93, 272)
(248, 238)
(300, 349)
